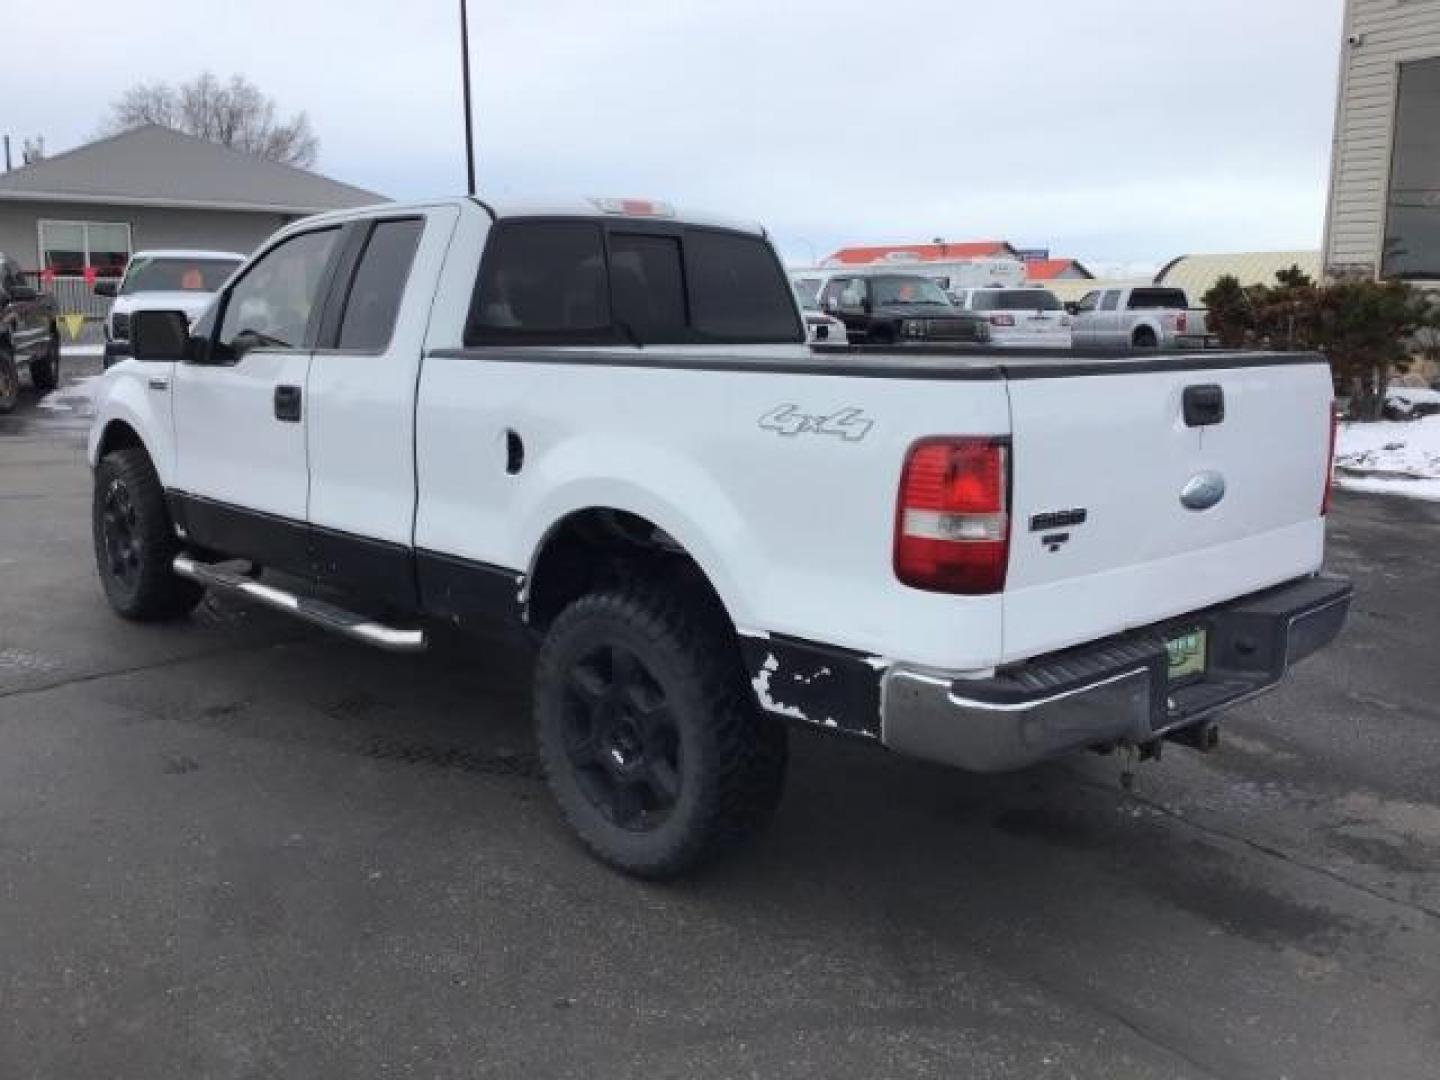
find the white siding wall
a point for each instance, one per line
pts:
(1393, 31)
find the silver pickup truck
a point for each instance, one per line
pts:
(1141, 317)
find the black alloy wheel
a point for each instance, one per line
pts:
(120, 535)
(621, 738)
(135, 540)
(9, 380)
(652, 742)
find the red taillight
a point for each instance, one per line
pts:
(952, 525)
(1330, 460)
(1002, 319)
(1181, 322)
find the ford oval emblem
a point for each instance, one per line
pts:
(1202, 491)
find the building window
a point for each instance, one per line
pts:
(67, 248)
(1412, 220)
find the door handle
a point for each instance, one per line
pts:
(287, 404)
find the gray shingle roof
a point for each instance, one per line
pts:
(156, 166)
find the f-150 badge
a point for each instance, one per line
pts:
(850, 424)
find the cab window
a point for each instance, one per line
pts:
(274, 304)
(374, 299)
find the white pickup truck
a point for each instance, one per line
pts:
(599, 426)
(1142, 317)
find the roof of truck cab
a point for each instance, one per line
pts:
(586, 207)
(567, 208)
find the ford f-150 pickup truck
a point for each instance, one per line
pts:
(29, 335)
(599, 426)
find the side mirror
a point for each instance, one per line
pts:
(160, 336)
(23, 292)
(1073, 307)
(107, 288)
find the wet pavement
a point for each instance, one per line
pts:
(233, 847)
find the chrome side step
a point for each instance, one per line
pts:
(326, 616)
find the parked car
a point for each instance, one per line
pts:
(29, 335)
(895, 309)
(162, 280)
(1032, 317)
(1140, 317)
(1404, 402)
(602, 430)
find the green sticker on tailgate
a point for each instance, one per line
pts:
(1187, 653)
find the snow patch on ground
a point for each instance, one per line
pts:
(1390, 457)
(77, 398)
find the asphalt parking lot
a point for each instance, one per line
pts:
(237, 848)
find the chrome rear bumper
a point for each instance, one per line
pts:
(1115, 691)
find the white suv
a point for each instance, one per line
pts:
(1026, 316)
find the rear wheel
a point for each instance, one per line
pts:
(653, 748)
(1145, 338)
(45, 370)
(9, 379)
(135, 542)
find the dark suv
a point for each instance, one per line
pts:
(894, 309)
(29, 335)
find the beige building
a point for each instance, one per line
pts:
(1197, 274)
(1384, 209)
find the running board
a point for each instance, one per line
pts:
(326, 616)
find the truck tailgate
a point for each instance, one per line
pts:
(1115, 448)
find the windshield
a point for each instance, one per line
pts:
(172, 274)
(1014, 300)
(890, 291)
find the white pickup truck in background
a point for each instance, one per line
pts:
(1139, 317)
(599, 425)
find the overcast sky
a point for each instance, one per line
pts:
(1112, 130)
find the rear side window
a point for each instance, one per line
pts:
(647, 288)
(1158, 298)
(374, 298)
(737, 289)
(542, 280)
(1110, 301)
(584, 282)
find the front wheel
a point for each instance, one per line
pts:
(9, 380)
(45, 370)
(135, 543)
(652, 747)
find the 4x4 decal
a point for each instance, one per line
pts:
(850, 424)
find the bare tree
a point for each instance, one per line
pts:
(235, 114)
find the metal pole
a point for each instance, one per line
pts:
(465, 69)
